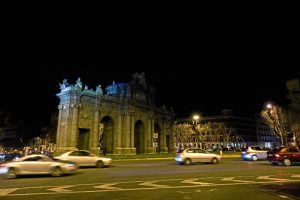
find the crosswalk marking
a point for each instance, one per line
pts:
(195, 181)
(236, 180)
(61, 189)
(272, 179)
(152, 184)
(5, 192)
(108, 186)
(296, 176)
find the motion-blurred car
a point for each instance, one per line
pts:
(189, 156)
(284, 155)
(36, 165)
(84, 158)
(254, 153)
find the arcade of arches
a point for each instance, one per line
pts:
(122, 121)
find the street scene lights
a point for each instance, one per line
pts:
(196, 118)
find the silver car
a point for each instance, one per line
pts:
(189, 156)
(254, 153)
(36, 165)
(84, 158)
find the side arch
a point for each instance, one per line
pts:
(106, 138)
(139, 137)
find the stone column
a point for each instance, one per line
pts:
(65, 121)
(58, 133)
(118, 126)
(171, 145)
(94, 142)
(74, 126)
(149, 135)
(127, 134)
(163, 148)
(119, 131)
(132, 131)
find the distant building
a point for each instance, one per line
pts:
(247, 131)
(8, 130)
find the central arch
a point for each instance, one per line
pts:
(107, 137)
(139, 137)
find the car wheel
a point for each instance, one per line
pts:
(100, 164)
(57, 172)
(254, 158)
(187, 161)
(214, 161)
(12, 173)
(287, 162)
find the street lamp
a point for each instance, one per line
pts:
(269, 106)
(196, 118)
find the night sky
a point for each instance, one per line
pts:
(243, 85)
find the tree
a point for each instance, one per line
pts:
(226, 132)
(278, 121)
(183, 133)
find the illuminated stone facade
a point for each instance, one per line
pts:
(124, 120)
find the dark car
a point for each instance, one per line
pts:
(284, 155)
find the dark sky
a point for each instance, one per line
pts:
(188, 84)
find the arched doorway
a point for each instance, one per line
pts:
(107, 137)
(156, 138)
(139, 137)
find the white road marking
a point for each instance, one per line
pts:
(236, 180)
(61, 189)
(194, 181)
(273, 179)
(108, 186)
(152, 184)
(283, 196)
(5, 192)
(296, 176)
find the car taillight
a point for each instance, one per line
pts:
(277, 155)
(2, 165)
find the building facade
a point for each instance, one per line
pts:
(234, 132)
(120, 120)
(9, 129)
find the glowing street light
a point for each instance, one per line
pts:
(269, 106)
(196, 118)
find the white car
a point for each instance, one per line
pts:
(84, 158)
(189, 156)
(37, 164)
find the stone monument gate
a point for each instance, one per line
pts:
(123, 120)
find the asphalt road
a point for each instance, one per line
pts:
(162, 179)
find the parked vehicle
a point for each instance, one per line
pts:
(36, 165)
(253, 153)
(84, 158)
(284, 155)
(189, 156)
